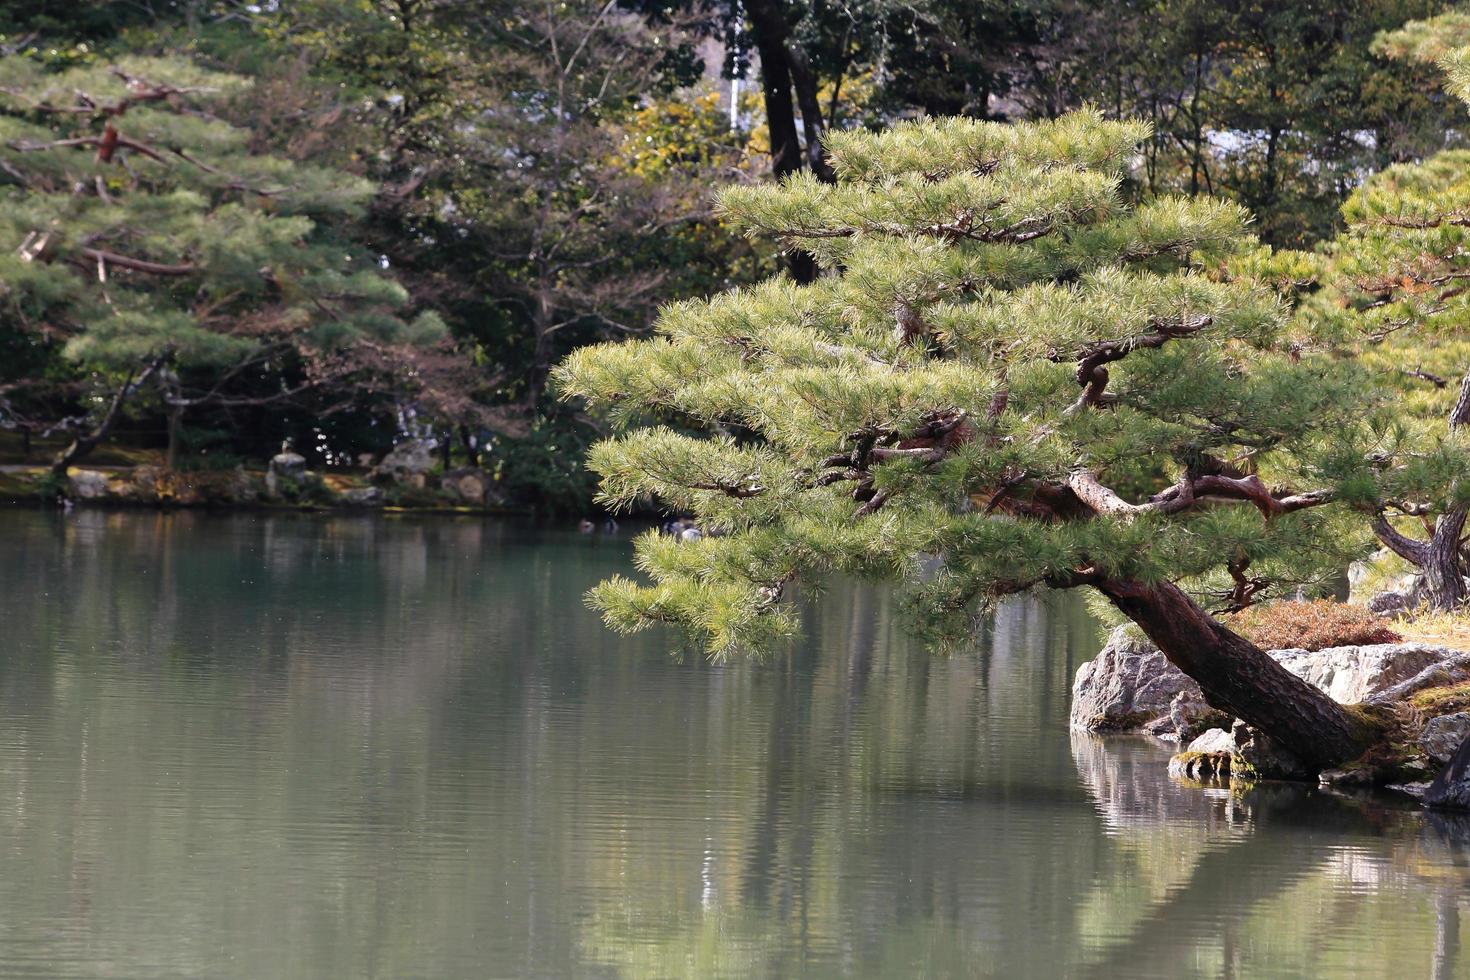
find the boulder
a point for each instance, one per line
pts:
(145, 482)
(1199, 767)
(1372, 578)
(1131, 687)
(363, 497)
(286, 469)
(243, 488)
(408, 463)
(88, 484)
(1389, 603)
(1353, 674)
(468, 485)
(1443, 736)
(1451, 788)
(1126, 687)
(1260, 758)
(1215, 740)
(1189, 715)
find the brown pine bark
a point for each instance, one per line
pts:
(1240, 678)
(1440, 558)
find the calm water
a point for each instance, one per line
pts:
(340, 747)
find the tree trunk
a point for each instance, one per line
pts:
(175, 424)
(1240, 678)
(90, 440)
(1444, 584)
(1438, 559)
(768, 25)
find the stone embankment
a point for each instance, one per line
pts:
(405, 478)
(1131, 687)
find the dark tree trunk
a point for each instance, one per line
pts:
(542, 350)
(1444, 582)
(1240, 678)
(175, 425)
(91, 439)
(778, 69)
(1438, 559)
(471, 450)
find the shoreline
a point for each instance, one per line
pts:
(155, 488)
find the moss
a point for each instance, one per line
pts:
(1442, 700)
(1202, 767)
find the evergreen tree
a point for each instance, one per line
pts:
(164, 258)
(1007, 380)
(1398, 302)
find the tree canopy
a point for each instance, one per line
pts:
(152, 243)
(1015, 374)
(1397, 302)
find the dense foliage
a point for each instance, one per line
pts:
(1396, 302)
(909, 426)
(538, 177)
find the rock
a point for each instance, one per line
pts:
(1451, 788)
(1416, 790)
(88, 484)
(1443, 736)
(1210, 756)
(1388, 603)
(363, 496)
(1127, 686)
(468, 485)
(1215, 740)
(1130, 686)
(1132, 793)
(1162, 728)
(145, 481)
(1363, 575)
(1260, 758)
(1350, 675)
(408, 463)
(1200, 766)
(243, 488)
(286, 469)
(1189, 715)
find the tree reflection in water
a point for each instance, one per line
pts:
(262, 746)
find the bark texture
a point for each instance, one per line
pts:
(786, 76)
(1238, 677)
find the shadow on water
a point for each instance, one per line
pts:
(332, 746)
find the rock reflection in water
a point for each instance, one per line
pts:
(1227, 860)
(286, 746)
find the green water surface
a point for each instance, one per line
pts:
(297, 746)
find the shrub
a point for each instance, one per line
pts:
(1311, 625)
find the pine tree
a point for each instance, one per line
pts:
(1398, 303)
(1008, 379)
(145, 237)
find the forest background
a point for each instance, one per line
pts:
(521, 178)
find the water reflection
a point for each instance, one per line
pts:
(293, 746)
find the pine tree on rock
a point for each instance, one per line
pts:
(143, 235)
(1007, 380)
(1398, 303)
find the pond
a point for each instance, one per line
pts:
(311, 746)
